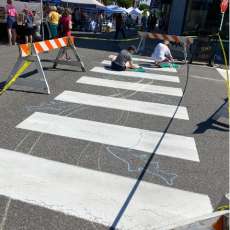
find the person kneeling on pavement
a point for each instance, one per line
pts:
(123, 60)
(162, 53)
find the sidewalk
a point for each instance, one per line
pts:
(130, 34)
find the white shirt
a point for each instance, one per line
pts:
(160, 52)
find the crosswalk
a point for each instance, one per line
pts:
(139, 87)
(123, 104)
(168, 69)
(96, 195)
(151, 76)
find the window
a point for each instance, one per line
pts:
(202, 15)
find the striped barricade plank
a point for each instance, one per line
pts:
(29, 53)
(44, 46)
(171, 38)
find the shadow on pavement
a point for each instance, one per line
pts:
(212, 122)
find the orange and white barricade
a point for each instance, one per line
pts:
(183, 40)
(29, 53)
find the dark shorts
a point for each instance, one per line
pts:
(117, 67)
(28, 31)
(11, 22)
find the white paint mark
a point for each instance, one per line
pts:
(128, 158)
(171, 70)
(227, 196)
(93, 195)
(223, 73)
(147, 88)
(124, 104)
(206, 79)
(143, 60)
(139, 139)
(151, 76)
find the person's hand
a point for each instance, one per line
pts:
(135, 66)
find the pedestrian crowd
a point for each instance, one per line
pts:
(25, 26)
(148, 22)
(59, 23)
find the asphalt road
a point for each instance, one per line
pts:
(205, 93)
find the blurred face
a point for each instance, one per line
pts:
(166, 43)
(131, 51)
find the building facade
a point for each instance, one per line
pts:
(191, 16)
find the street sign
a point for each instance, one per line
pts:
(223, 6)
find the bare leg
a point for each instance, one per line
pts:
(9, 36)
(67, 56)
(14, 35)
(112, 57)
(30, 39)
(26, 39)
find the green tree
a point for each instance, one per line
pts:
(107, 2)
(144, 7)
(125, 3)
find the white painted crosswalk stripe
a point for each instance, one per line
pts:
(124, 104)
(143, 140)
(147, 88)
(142, 59)
(152, 76)
(171, 70)
(93, 195)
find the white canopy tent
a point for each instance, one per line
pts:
(129, 9)
(135, 11)
(85, 2)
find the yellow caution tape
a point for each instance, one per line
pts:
(14, 78)
(226, 68)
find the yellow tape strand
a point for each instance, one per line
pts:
(226, 68)
(14, 78)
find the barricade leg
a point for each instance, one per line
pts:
(78, 57)
(140, 45)
(60, 53)
(15, 73)
(41, 71)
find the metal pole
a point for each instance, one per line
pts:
(42, 22)
(221, 23)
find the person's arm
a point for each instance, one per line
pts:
(70, 23)
(169, 55)
(50, 16)
(131, 65)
